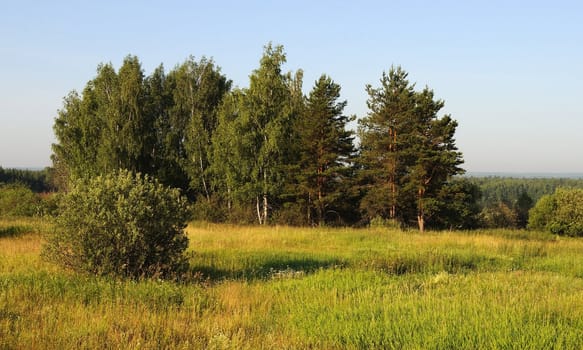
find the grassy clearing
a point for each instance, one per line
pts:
(288, 288)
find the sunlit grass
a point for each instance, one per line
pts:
(293, 288)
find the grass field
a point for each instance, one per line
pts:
(292, 288)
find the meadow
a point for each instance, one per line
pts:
(305, 288)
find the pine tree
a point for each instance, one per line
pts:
(383, 135)
(433, 158)
(326, 148)
(408, 152)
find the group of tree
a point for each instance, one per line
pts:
(269, 153)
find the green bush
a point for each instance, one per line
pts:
(120, 224)
(208, 210)
(560, 213)
(19, 200)
(499, 216)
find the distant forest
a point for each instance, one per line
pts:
(506, 201)
(36, 180)
(496, 189)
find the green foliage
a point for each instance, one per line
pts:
(268, 150)
(251, 144)
(560, 213)
(522, 205)
(121, 224)
(197, 89)
(19, 200)
(325, 151)
(209, 210)
(159, 125)
(408, 153)
(499, 216)
(457, 206)
(37, 180)
(513, 198)
(496, 189)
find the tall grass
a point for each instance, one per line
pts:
(348, 309)
(288, 288)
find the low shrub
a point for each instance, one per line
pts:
(560, 213)
(18, 200)
(120, 224)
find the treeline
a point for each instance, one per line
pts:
(268, 153)
(36, 180)
(25, 192)
(507, 201)
(496, 189)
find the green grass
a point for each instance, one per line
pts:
(291, 288)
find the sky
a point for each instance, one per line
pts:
(510, 72)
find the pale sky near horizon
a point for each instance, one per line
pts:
(510, 72)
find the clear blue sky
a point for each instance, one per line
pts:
(510, 72)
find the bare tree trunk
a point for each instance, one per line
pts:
(420, 209)
(265, 206)
(229, 204)
(320, 181)
(421, 222)
(309, 208)
(206, 191)
(265, 198)
(258, 211)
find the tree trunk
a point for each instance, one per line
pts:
(421, 222)
(309, 208)
(265, 209)
(320, 182)
(420, 209)
(258, 211)
(206, 191)
(229, 204)
(393, 173)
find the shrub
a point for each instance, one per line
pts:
(560, 213)
(18, 200)
(205, 210)
(121, 224)
(499, 216)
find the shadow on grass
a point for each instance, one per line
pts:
(515, 234)
(13, 231)
(262, 267)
